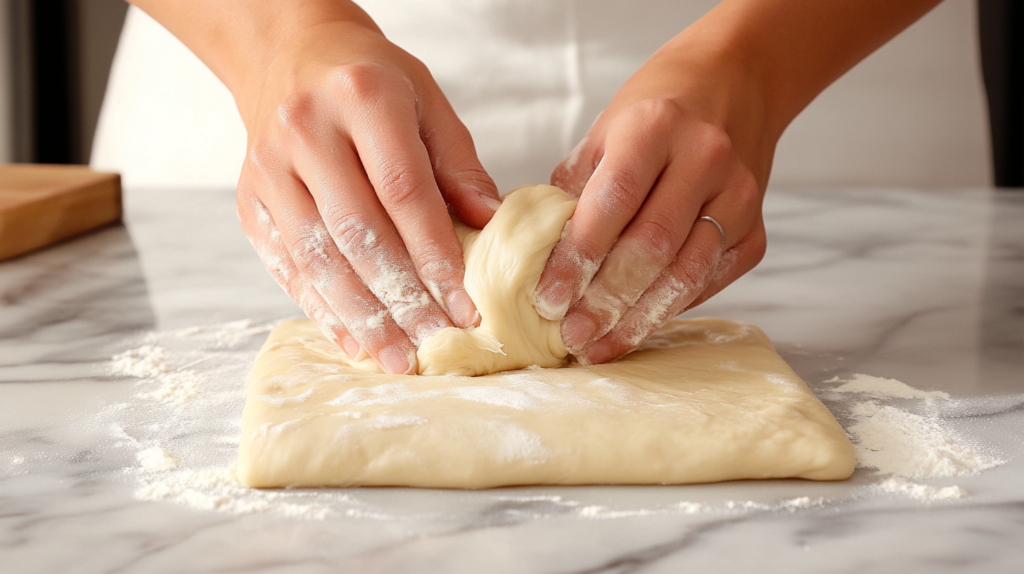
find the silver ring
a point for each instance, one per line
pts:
(717, 224)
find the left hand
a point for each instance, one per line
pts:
(667, 150)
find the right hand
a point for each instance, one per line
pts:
(354, 158)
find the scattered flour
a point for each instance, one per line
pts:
(145, 362)
(155, 459)
(900, 444)
(884, 388)
(218, 489)
(151, 364)
(176, 387)
(903, 444)
(922, 492)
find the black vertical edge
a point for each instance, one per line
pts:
(1001, 24)
(20, 13)
(53, 76)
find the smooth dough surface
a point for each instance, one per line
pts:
(702, 400)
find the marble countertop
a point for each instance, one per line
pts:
(922, 286)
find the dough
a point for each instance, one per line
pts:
(702, 400)
(503, 265)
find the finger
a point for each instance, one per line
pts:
(263, 234)
(648, 244)
(735, 263)
(634, 157)
(681, 283)
(575, 170)
(462, 180)
(383, 120)
(317, 257)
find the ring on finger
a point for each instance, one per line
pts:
(717, 224)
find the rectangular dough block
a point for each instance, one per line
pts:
(703, 400)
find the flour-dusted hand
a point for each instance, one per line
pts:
(692, 135)
(354, 159)
(635, 254)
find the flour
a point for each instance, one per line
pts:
(175, 388)
(922, 492)
(186, 456)
(155, 459)
(884, 388)
(509, 442)
(147, 361)
(171, 444)
(218, 489)
(900, 444)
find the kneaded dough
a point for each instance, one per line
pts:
(504, 262)
(702, 400)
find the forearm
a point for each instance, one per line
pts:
(239, 39)
(771, 58)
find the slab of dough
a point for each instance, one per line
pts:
(702, 400)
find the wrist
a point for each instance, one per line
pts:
(241, 41)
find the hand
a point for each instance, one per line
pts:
(635, 255)
(353, 154)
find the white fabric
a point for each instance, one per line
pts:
(529, 76)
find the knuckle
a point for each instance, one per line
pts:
(477, 178)
(757, 246)
(436, 262)
(297, 115)
(399, 184)
(658, 233)
(696, 268)
(364, 81)
(307, 253)
(584, 255)
(352, 232)
(715, 147)
(262, 157)
(621, 191)
(658, 111)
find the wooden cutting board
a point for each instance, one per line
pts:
(43, 204)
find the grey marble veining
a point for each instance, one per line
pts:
(923, 286)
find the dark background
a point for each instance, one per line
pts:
(61, 56)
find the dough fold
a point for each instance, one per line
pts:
(702, 400)
(504, 262)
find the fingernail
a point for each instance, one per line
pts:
(395, 360)
(577, 331)
(553, 302)
(490, 201)
(462, 309)
(351, 347)
(600, 352)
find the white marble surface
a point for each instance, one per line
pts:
(923, 286)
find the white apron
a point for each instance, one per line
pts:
(527, 77)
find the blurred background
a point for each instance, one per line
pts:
(55, 57)
(916, 113)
